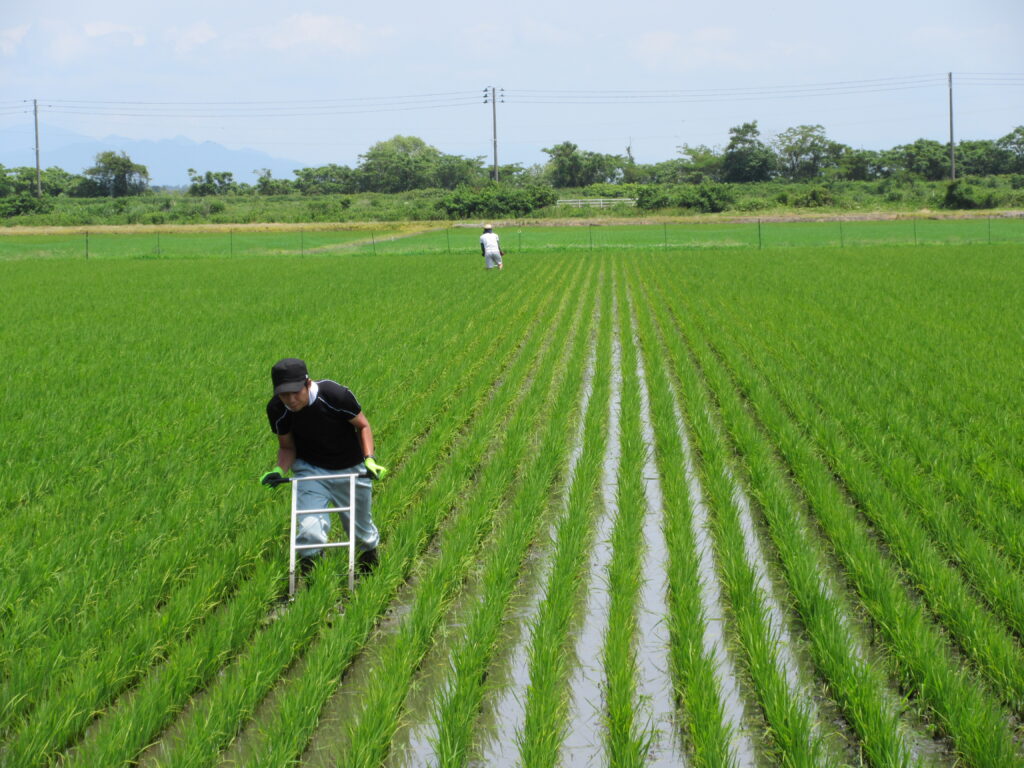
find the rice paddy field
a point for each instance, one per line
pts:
(657, 496)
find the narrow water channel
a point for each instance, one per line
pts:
(507, 710)
(655, 683)
(584, 743)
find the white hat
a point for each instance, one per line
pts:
(487, 226)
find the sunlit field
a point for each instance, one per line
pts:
(742, 494)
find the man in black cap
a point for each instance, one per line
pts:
(322, 430)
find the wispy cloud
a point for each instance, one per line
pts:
(10, 39)
(191, 37)
(707, 46)
(318, 33)
(109, 28)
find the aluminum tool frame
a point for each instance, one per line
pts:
(351, 509)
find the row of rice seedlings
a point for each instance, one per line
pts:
(795, 739)
(963, 708)
(455, 350)
(88, 570)
(982, 639)
(231, 703)
(654, 641)
(990, 573)
(627, 738)
(172, 703)
(370, 732)
(974, 407)
(46, 639)
(302, 698)
(545, 716)
(584, 737)
(36, 657)
(695, 666)
(466, 684)
(270, 535)
(858, 686)
(83, 609)
(933, 475)
(61, 651)
(126, 730)
(977, 529)
(70, 701)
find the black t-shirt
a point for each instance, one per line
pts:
(322, 432)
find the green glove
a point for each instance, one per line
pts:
(273, 478)
(376, 471)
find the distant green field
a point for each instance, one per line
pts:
(134, 243)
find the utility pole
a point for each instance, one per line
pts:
(39, 178)
(952, 152)
(491, 94)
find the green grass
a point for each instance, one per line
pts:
(516, 238)
(868, 396)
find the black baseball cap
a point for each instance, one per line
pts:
(289, 375)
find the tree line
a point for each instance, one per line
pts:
(403, 163)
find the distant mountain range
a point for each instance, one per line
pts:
(167, 160)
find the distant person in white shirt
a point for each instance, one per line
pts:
(490, 248)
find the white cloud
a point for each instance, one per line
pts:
(707, 46)
(106, 28)
(67, 44)
(10, 38)
(313, 32)
(191, 37)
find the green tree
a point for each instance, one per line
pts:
(701, 162)
(327, 180)
(115, 175)
(451, 171)
(746, 157)
(982, 158)
(1013, 143)
(211, 183)
(397, 165)
(568, 166)
(805, 151)
(266, 184)
(858, 164)
(924, 159)
(56, 181)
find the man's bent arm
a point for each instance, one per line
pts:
(285, 451)
(363, 431)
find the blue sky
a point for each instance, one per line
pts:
(320, 82)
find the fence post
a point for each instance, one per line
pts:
(373, 240)
(448, 235)
(519, 247)
(759, 233)
(915, 231)
(87, 245)
(842, 243)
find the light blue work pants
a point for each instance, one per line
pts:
(321, 494)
